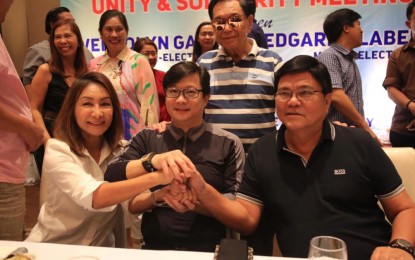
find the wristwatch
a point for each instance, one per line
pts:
(404, 245)
(146, 162)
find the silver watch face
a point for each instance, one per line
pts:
(404, 243)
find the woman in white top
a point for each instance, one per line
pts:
(80, 207)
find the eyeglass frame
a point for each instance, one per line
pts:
(183, 92)
(227, 21)
(309, 95)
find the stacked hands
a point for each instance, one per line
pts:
(183, 180)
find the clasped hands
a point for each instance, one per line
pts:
(183, 180)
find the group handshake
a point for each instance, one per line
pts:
(184, 182)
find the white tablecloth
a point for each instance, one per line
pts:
(47, 251)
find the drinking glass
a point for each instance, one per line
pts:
(327, 248)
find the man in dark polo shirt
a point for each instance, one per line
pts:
(314, 178)
(218, 156)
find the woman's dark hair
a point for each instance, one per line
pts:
(304, 63)
(66, 128)
(110, 14)
(186, 68)
(197, 48)
(55, 62)
(409, 9)
(140, 43)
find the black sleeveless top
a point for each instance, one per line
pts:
(54, 99)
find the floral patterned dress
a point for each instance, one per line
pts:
(133, 80)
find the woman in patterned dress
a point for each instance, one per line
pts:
(129, 72)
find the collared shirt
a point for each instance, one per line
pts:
(14, 155)
(133, 80)
(345, 75)
(401, 75)
(38, 54)
(333, 193)
(67, 216)
(242, 93)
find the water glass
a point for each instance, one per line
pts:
(327, 248)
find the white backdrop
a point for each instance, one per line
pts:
(292, 27)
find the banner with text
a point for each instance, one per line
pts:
(292, 27)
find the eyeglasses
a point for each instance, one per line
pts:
(302, 95)
(190, 93)
(234, 21)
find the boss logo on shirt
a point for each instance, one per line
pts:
(340, 172)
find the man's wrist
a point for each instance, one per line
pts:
(146, 162)
(403, 245)
(409, 103)
(156, 202)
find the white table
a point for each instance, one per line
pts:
(48, 251)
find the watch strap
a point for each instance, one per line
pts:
(403, 245)
(146, 162)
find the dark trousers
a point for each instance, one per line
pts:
(399, 140)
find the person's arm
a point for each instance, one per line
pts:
(400, 99)
(63, 168)
(109, 194)
(400, 210)
(344, 105)
(25, 128)
(149, 200)
(147, 91)
(129, 164)
(146, 201)
(238, 214)
(38, 91)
